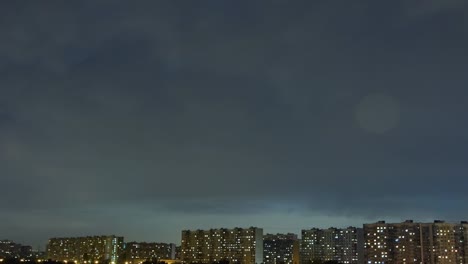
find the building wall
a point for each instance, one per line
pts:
(463, 236)
(310, 245)
(377, 249)
(238, 245)
(360, 246)
(332, 244)
(445, 245)
(297, 252)
(259, 249)
(280, 249)
(89, 249)
(10, 249)
(178, 252)
(347, 247)
(409, 242)
(138, 252)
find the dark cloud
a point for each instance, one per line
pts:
(166, 116)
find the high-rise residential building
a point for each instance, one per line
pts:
(178, 251)
(39, 255)
(360, 246)
(389, 243)
(463, 238)
(238, 245)
(10, 249)
(332, 244)
(139, 252)
(281, 249)
(410, 242)
(91, 249)
(311, 248)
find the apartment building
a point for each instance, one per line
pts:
(332, 244)
(409, 242)
(281, 249)
(91, 249)
(237, 245)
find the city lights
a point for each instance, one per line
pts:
(375, 243)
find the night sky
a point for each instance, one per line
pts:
(144, 118)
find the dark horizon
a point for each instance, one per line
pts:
(142, 119)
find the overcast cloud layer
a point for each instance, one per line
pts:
(142, 119)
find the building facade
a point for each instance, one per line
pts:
(92, 249)
(178, 252)
(281, 249)
(139, 252)
(238, 245)
(410, 242)
(332, 244)
(12, 250)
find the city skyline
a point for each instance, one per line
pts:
(299, 231)
(436, 242)
(143, 118)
